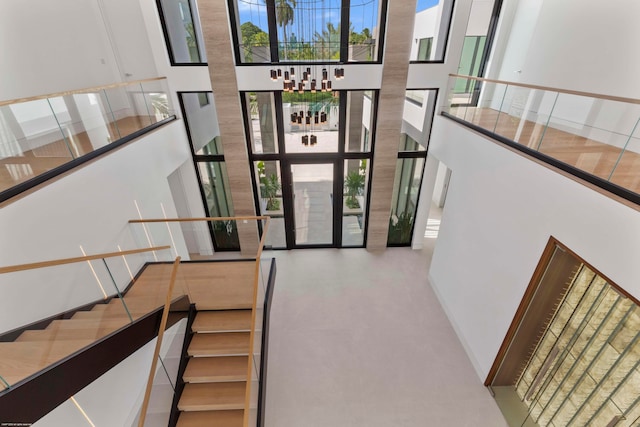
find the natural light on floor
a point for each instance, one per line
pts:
(433, 226)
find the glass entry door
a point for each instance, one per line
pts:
(313, 203)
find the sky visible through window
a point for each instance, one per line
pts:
(364, 13)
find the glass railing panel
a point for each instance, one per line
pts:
(458, 101)
(625, 170)
(515, 110)
(40, 135)
(593, 133)
(86, 122)
(129, 108)
(31, 141)
(79, 283)
(166, 376)
(156, 98)
(90, 294)
(589, 133)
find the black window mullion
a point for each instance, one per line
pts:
(209, 157)
(273, 30)
(344, 31)
(338, 177)
(288, 203)
(278, 109)
(342, 121)
(235, 30)
(205, 205)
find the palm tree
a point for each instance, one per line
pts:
(284, 17)
(329, 41)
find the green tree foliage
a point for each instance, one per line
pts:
(284, 17)
(252, 35)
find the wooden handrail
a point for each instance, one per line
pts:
(72, 92)
(231, 218)
(62, 261)
(553, 89)
(247, 396)
(156, 352)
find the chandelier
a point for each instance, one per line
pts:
(307, 82)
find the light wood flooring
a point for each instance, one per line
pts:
(211, 286)
(34, 162)
(597, 158)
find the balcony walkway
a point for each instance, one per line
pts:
(597, 158)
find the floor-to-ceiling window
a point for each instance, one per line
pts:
(311, 155)
(431, 30)
(199, 114)
(183, 34)
(417, 117)
(481, 27)
(294, 31)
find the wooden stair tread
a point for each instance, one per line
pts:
(222, 321)
(114, 323)
(226, 344)
(216, 369)
(212, 396)
(22, 359)
(229, 418)
(62, 334)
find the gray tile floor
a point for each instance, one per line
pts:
(359, 339)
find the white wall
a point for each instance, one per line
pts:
(574, 45)
(501, 210)
(53, 46)
(115, 398)
(89, 207)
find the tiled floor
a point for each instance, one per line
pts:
(359, 339)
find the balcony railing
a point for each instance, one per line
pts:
(44, 136)
(595, 137)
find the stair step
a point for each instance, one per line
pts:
(232, 418)
(212, 396)
(88, 314)
(62, 334)
(223, 344)
(114, 323)
(222, 321)
(22, 359)
(216, 369)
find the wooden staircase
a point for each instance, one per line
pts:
(34, 350)
(216, 372)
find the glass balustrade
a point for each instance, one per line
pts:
(124, 286)
(596, 134)
(84, 302)
(40, 135)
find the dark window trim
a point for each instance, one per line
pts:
(167, 39)
(412, 155)
(201, 159)
(415, 155)
(446, 41)
(488, 45)
(413, 101)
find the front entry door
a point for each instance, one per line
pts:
(312, 188)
